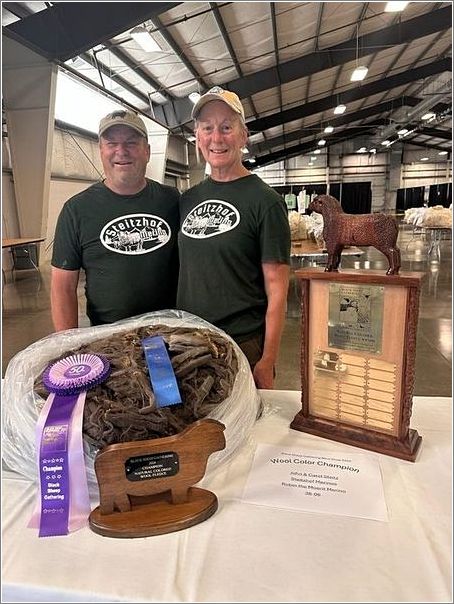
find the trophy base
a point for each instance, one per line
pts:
(155, 516)
(406, 448)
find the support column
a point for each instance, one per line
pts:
(327, 175)
(393, 180)
(158, 137)
(29, 87)
(197, 170)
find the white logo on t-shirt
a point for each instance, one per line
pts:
(210, 218)
(135, 234)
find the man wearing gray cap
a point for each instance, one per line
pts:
(122, 232)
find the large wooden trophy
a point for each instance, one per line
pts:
(358, 344)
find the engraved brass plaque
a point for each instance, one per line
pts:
(355, 317)
(355, 390)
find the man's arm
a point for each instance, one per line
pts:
(276, 277)
(63, 297)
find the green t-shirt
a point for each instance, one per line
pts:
(228, 230)
(127, 245)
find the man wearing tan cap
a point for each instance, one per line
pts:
(234, 240)
(122, 232)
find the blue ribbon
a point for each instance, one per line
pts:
(161, 372)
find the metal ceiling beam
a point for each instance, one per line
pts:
(399, 33)
(354, 94)
(427, 146)
(124, 58)
(295, 150)
(68, 29)
(226, 38)
(342, 136)
(423, 55)
(182, 108)
(416, 113)
(113, 76)
(396, 19)
(358, 24)
(337, 122)
(276, 47)
(312, 142)
(177, 50)
(102, 90)
(17, 9)
(316, 48)
(71, 128)
(435, 133)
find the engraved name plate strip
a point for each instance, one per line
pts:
(353, 378)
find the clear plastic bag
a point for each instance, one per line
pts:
(21, 405)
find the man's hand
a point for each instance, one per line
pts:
(264, 374)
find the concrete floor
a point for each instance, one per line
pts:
(26, 315)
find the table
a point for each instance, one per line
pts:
(308, 249)
(435, 237)
(17, 241)
(21, 242)
(306, 252)
(249, 553)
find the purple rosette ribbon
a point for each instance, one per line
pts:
(63, 505)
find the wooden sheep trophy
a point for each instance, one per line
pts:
(145, 487)
(340, 230)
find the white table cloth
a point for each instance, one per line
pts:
(250, 553)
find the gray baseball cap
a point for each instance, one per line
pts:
(122, 117)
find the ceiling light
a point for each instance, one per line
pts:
(402, 132)
(373, 150)
(252, 160)
(360, 71)
(245, 150)
(394, 7)
(317, 151)
(443, 153)
(428, 116)
(310, 163)
(340, 109)
(313, 158)
(191, 138)
(359, 74)
(362, 150)
(328, 129)
(386, 142)
(424, 159)
(321, 142)
(194, 97)
(143, 38)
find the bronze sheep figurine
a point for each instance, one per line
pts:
(340, 230)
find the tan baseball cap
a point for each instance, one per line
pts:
(219, 94)
(122, 117)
